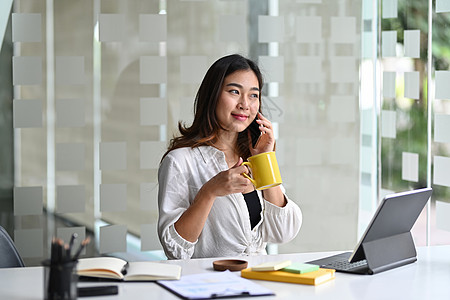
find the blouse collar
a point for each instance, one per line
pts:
(209, 152)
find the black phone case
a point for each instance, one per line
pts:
(255, 133)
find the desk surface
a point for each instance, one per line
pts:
(428, 278)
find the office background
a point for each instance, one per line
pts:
(92, 91)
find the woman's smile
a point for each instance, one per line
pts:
(240, 117)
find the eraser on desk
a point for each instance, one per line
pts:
(300, 268)
(272, 265)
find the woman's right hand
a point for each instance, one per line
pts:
(229, 182)
(191, 222)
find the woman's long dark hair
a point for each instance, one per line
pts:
(205, 127)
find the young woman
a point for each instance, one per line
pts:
(207, 208)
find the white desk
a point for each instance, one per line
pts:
(428, 278)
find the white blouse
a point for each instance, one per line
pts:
(227, 231)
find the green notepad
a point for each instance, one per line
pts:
(272, 265)
(300, 268)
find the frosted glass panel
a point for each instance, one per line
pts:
(272, 68)
(270, 29)
(367, 122)
(29, 242)
(412, 43)
(153, 111)
(389, 84)
(69, 70)
(343, 69)
(309, 69)
(113, 197)
(27, 113)
(389, 124)
(308, 29)
(343, 30)
(113, 156)
(388, 43)
(441, 128)
(28, 200)
(151, 154)
(366, 164)
(441, 170)
(111, 27)
(410, 166)
(389, 9)
(367, 9)
(442, 6)
(70, 198)
(70, 113)
(26, 27)
(70, 156)
(152, 28)
(442, 85)
(153, 69)
(192, 68)
(113, 239)
(232, 29)
(27, 70)
(367, 44)
(342, 109)
(412, 88)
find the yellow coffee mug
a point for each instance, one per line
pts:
(265, 171)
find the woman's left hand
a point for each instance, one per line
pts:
(266, 141)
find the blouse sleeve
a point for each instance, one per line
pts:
(173, 200)
(281, 224)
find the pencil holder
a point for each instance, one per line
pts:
(60, 280)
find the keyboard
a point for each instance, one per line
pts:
(344, 265)
(340, 263)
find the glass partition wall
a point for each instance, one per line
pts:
(100, 85)
(414, 110)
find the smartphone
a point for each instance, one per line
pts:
(255, 133)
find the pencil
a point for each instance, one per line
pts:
(72, 240)
(83, 244)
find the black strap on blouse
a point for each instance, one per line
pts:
(254, 207)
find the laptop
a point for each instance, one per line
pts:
(387, 242)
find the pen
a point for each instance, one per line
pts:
(227, 294)
(124, 269)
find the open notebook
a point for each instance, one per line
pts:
(119, 269)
